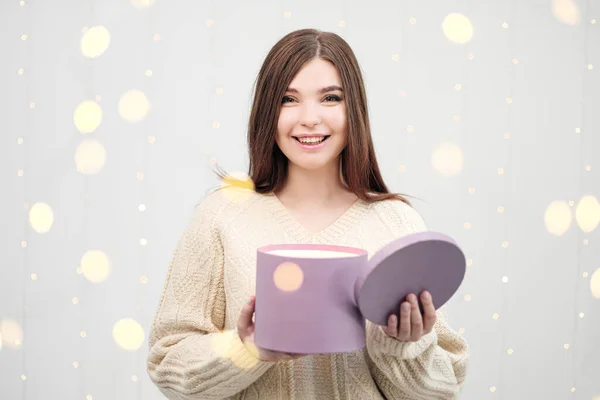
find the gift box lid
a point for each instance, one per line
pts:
(420, 261)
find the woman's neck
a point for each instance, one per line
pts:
(313, 187)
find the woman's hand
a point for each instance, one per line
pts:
(245, 328)
(412, 325)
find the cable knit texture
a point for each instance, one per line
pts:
(195, 352)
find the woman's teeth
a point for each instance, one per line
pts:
(311, 140)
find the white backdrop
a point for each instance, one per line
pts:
(112, 110)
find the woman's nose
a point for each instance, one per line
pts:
(310, 115)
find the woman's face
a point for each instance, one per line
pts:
(308, 113)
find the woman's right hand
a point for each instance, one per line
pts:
(245, 328)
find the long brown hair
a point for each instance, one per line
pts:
(268, 165)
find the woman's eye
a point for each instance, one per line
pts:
(331, 97)
(334, 97)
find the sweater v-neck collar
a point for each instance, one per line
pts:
(330, 233)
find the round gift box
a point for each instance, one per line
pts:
(313, 298)
(306, 300)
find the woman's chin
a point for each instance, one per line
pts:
(311, 165)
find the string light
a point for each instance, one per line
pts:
(134, 335)
(507, 198)
(577, 315)
(453, 27)
(13, 332)
(87, 118)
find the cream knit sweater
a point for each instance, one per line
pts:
(195, 352)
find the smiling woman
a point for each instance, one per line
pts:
(310, 87)
(311, 112)
(315, 179)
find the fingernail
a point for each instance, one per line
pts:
(405, 307)
(427, 296)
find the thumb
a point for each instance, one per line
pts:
(245, 320)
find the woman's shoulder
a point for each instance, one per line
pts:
(401, 213)
(221, 202)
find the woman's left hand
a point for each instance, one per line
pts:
(412, 325)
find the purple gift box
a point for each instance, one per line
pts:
(314, 298)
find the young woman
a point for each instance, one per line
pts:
(315, 180)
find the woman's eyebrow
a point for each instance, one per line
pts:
(321, 91)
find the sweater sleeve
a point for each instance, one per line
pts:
(433, 367)
(191, 356)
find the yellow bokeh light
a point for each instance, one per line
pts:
(221, 344)
(566, 11)
(87, 116)
(239, 180)
(457, 28)
(133, 106)
(142, 3)
(41, 217)
(95, 41)
(90, 157)
(237, 187)
(587, 213)
(288, 277)
(11, 333)
(128, 334)
(95, 266)
(558, 218)
(447, 159)
(595, 284)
